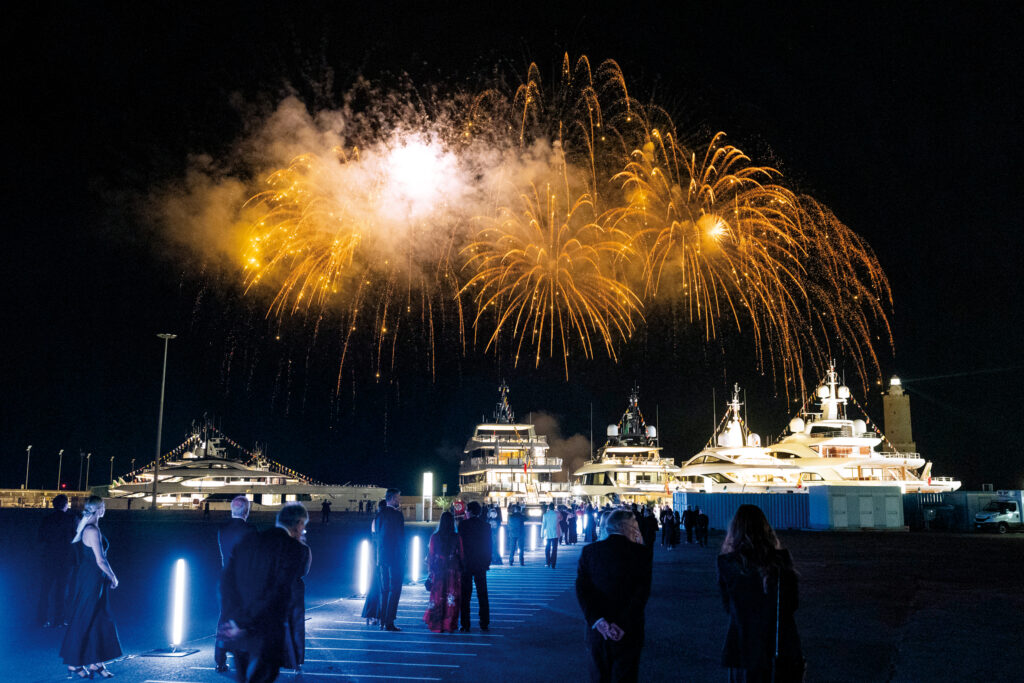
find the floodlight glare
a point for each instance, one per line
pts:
(364, 568)
(501, 541)
(533, 537)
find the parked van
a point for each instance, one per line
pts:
(1003, 513)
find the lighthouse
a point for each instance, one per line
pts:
(896, 411)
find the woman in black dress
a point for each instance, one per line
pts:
(91, 638)
(759, 591)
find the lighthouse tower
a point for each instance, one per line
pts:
(896, 411)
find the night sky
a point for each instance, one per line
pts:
(903, 118)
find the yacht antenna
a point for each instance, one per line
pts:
(714, 419)
(745, 409)
(591, 430)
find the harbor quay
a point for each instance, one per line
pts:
(874, 606)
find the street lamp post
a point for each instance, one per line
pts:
(88, 461)
(160, 420)
(28, 461)
(60, 465)
(111, 470)
(81, 459)
(428, 496)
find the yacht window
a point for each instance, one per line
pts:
(718, 478)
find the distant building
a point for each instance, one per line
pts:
(896, 411)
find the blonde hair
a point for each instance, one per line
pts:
(92, 506)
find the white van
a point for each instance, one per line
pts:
(1001, 514)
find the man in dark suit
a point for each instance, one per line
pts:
(613, 582)
(256, 592)
(55, 558)
(229, 535)
(390, 526)
(516, 534)
(689, 522)
(476, 546)
(702, 524)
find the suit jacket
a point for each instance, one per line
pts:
(230, 534)
(55, 534)
(390, 528)
(750, 641)
(613, 582)
(476, 544)
(256, 588)
(516, 524)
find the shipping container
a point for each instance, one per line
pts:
(783, 510)
(856, 507)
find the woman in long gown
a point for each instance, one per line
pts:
(759, 591)
(445, 564)
(91, 638)
(371, 606)
(295, 639)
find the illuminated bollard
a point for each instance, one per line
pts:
(416, 559)
(579, 526)
(501, 541)
(533, 537)
(178, 606)
(364, 568)
(586, 519)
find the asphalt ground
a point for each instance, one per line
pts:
(874, 607)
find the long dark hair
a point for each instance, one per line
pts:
(445, 533)
(753, 538)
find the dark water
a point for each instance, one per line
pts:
(143, 550)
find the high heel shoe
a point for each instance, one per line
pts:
(101, 670)
(79, 671)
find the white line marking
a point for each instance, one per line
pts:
(403, 652)
(445, 636)
(439, 641)
(360, 661)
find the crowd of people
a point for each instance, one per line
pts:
(262, 592)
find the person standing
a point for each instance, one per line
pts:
(295, 634)
(390, 524)
(445, 559)
(589, 524)
(476, 544)
(702, 525)
(649, 528)
(516, 534)
(371, 606)
(613, 582)
(494, 522)
(229, 535)
(206, 511)
(325, 512)
(760, 593)
(91, 638)
(55, 558)
(689, 521)
(549, 527)
(256, 593)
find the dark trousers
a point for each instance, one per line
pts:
(702, 536)
(611, 661)
(252, 667)
(480, 579)
(689, 534)
(551, 552)
(515, 542)
(390, 593)
(53, 580)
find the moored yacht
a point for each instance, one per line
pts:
(823, 448)
(629, 467)
(210, 467)
(508, 462)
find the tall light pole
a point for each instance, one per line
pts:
(60, 465)
(88, 461)
(111, 470)
(28, 461)
(160, 420)
(81, 459)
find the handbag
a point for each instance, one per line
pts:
(784, 669)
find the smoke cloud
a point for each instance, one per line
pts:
(574, 450)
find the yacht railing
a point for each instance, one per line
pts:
(511, 439)
(545, 461)
(515, 487)
(891, 455)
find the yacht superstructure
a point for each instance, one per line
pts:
(508, 462)
(822, 448)
(629, 466)
(210, 467)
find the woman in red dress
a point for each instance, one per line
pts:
(445, 564)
